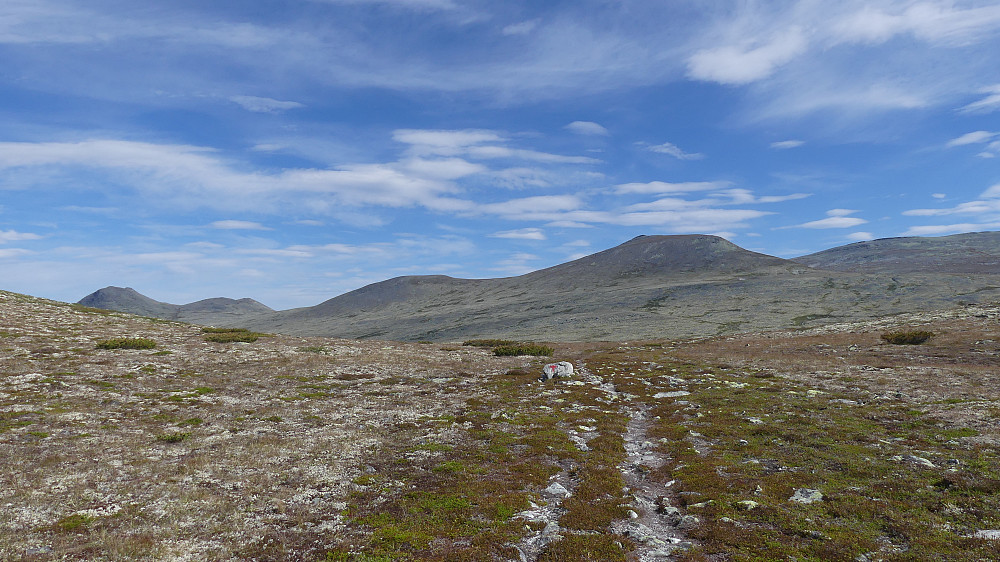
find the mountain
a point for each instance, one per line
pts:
(648, 287)
(206, 311)
(971, 253)
(129, 300)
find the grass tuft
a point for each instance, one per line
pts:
(126, 343)
(907, 337)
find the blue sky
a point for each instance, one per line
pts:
(292, 151)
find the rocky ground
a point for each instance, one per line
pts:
(815, 444)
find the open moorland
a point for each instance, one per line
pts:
(131, 438)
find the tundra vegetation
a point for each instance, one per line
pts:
(820, 444)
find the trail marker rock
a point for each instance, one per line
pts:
(560, 369)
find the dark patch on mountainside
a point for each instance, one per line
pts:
(971, 253)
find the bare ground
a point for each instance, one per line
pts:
(294, 448)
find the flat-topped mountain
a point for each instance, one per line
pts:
(975, 252)
(208, 311)
(648, 287)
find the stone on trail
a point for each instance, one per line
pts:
(560, 369)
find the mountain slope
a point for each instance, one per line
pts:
(648, 287)
(971, 253)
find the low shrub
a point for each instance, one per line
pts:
(489, 343)
(173, 437)
(241, 335)
(523, 349)
(126, 343)
(907, 337)
(212, 330)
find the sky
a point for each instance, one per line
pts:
(293, 151)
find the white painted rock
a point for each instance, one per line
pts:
(560, 369)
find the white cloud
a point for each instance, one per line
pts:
(833, 222)
(781, 145)
(932, 230)
(419, 5)
(748, 61)
(521, 28)
(192, 176)
(663, 188)
(238, 225)
(586, 128)
(938, 195)
(860, 236)
(986, 105)
(264, 105)
(931, 21)
(13, 253)
(836, 218)
(541, 204)
(673, 150)
(521, 234)
(974, 137)
(445, 143)
(15, 236)
(477, 144)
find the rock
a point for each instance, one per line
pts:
(988, 534)
(688, 522)
(673, 394)
(560, 369)
(557, 489)
(746, 505)
(806, 495)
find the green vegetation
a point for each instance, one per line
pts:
(907, 337)
(523, 349)
(126, 343)
(488, 343)
(893, 480)
(75, 522)
(176, 437)
(213, 330)
(232, 336)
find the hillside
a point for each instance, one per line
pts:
(648, 287)
(819, 444)
(972, 253)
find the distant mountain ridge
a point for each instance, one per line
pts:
(647, 287)
(974, 252)
(127, 299)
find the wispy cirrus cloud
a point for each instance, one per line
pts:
(15, 236)
(264, 105)
(786, 144)
(675, 151)
(521, 234)
(238, 225)
(987, 104)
